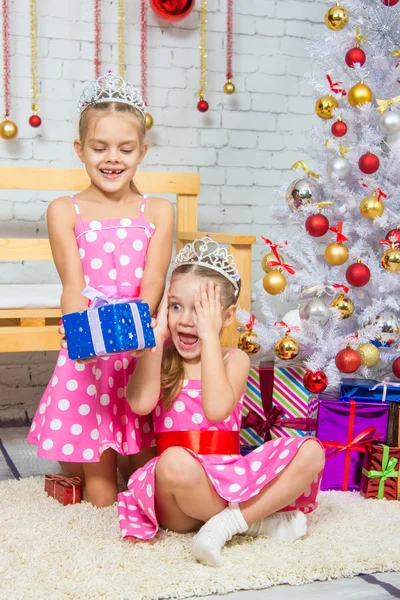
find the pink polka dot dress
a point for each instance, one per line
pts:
(84, 410)
(235, 478)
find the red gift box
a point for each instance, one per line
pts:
(380, 474)
(67, 490)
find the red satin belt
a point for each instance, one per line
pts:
(201, 442)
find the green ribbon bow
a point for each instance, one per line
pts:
(388, 466)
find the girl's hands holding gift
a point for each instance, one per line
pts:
(64, 346)
(208, 310)
(161, 329)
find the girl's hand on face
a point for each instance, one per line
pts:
(208, 310)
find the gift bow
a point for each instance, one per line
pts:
(273, 418)
(388, 466)
(300, 164)
(384, 383)
(277, 262)
(339, 235)
(109, 295)
(385, 104)
(358, 443)
(333, 85)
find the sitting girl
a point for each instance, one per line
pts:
(195, 389)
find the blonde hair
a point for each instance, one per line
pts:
(172, 368)
(111, 107)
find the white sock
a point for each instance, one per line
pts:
(288, 526)
(214, 534)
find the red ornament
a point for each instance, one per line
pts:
(172, 10)
(35, 121)
(339, 129)
(358, 274)
(368, 163)
(202, 105)
(347, 360)
(396, 367)
(389, 2)
(394, 234)
(315, 381)
(317, 225)
(355, 55)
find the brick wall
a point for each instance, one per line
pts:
(242, 147)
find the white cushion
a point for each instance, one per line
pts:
(31, 295)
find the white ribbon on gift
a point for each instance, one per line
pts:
(384, 383)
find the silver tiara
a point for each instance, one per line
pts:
(111, 88)
(205, 252)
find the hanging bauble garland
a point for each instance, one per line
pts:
(337, 253)
(357, 54)
(229, 86)
(34, 119)
(344, 305)
(8, 129)
(315, 381)
(358, 274)
(317, 225)
(369, 355)
(390, 260)
(347, 360)
(339, 128)
(172, 10)
(97, 39)
(360, 93)
(202, 104)
(274, 282)
(121, 38)
(368, 163)
(396, 367)
(143, 59)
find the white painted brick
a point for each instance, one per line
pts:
(30, 211)
(297, 66)
(210, 138)
(243, 139)
(301, 29)
(276, 83)
(6, 210)
(284, 160)
(289, 123)
(301, 11)
(258, 8)
(212, 175)
(183, 156)
(291, 46)
(270, 102)
(264, 178)
(267, 27)
(238, 214)
(244, 158)
(270, 66)
(301, 106)
(166, 78)
(248, 121)
(209, 216)
(270, 141)
(183, 137)
(59, 49)
(21, 45)
(240, 177)
(256, 45)
(240, 195)
(87, 51)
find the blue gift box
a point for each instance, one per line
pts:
(115, 327)
(369, 390)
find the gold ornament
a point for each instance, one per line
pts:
(359, 94)
(264, 263)
(246, 343)
(149, 121)
(336, 18)
(369, 355)
(325, 106)
(390, 260)
(371, 207)
(8, 129)
(274, 282)
(344, 305)
(336, 254)
(229, 87)
(287, 347)
(121, 38)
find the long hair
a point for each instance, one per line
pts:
(111, 107)
(172, 368)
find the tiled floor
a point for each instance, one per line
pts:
(18, 459)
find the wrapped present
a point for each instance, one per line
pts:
(67, 490)
(380, 472)
(393, 434)
(276, 404)
(345, 429)
(369, 390)
(108, 326)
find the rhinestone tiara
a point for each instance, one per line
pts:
(207, 253)
(111, 88)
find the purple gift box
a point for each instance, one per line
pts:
(345, 428)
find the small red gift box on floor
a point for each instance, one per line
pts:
(67, 490)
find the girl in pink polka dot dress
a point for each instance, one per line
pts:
(194, 389)
(119, 242)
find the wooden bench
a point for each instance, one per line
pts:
(35, 329)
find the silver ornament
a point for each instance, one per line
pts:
(314, 310)
(339, 166)
(389, 327)
(301, 192)
(390, 122)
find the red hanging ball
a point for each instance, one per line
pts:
(358, 274)
(394, 234)
(339, 129)
(317, 225)
(390, 2)
(368, 163)
(315, 382)
(35, 121)
(202, 106)
(355, 55)
(172, 10)
(347, 360)
(396, 367)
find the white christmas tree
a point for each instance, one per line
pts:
(349, 187)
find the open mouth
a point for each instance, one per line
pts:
(187, 341)
(110, 173)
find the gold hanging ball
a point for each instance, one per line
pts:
(344, 305)
(336, 254)
(359, 94)
(325, 106)
(336, 18)
(229, 87)
(149, 121)
(390, 260)
(287, 348)
(247, 344)
(8, 129)
(268, 257)
(371, 207)
(274, 282)
(369, 355)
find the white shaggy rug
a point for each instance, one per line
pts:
(75, 552)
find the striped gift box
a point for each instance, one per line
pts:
(252, 401)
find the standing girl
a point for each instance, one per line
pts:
(199, 480)
(119, 242)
